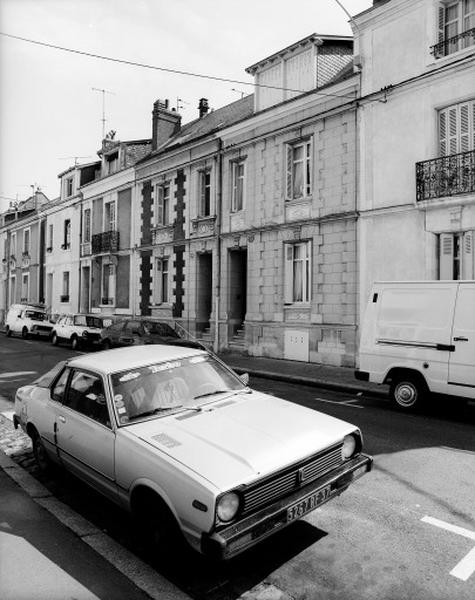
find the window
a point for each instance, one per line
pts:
(87, 225)
(108, 283)
(25, 287)
(457, 128)
(13, 245)
(297, 276)
(299, 170)
(456, 255)
(26, 242)
(12, 289)
(205, 193)
(112, 163)
(455, 22)
(163, 204)
(65, 294)
(237, 196)
(160, 289)
(67, 235)
(68, 187)
(60, 386)
(86, 396)
(50, 237)
(109, 216)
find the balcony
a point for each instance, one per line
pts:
(454, 44)
(105, 242)
(445, 176)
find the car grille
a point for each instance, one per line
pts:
(283, 483)
(93, 337)
(45, 328)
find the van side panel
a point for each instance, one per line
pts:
(462, 361)
(409, 326)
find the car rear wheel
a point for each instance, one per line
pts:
(408, 392)
(24, 333)
(42, 459)
(8, 331)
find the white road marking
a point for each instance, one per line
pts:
(16, 374)
(345, 402)
(466, 566)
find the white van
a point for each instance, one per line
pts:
(28, 319)
(419, 337)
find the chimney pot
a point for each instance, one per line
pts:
(203, 107)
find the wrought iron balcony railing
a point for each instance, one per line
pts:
(107, 241)
(454, 44)
(445, 176)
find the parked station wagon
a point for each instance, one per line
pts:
(80, 330)
(175, 436)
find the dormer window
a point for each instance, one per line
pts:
(68, 187)
(112, 163)
(456, 27)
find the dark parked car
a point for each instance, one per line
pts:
(130, 332)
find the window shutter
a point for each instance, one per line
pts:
(446, 256)
(452, 130)
(443, 133)
(464, 127)
(160, 205)
(289, 162)
(157, 283)
(467, 255)
(473, 125)
(441, 24)
(288, 273)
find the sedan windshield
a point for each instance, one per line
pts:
(159, 389)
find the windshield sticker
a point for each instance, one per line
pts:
(129, 376)
(121, 410)
(124, 419)
(118, 397)
(198, 359)
(164, 367)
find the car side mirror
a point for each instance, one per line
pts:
(244, 378)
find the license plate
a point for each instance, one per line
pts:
(304, 506)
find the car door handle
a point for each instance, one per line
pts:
(62, 419)
(460, 338)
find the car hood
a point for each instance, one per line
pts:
(241, 437)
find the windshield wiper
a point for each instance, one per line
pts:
(212, 393)
(154, 411)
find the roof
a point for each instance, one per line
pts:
(119, 359)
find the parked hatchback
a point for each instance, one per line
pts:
(80, 330)
(136, 332)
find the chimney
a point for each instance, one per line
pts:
(203, 107)
(165, 123)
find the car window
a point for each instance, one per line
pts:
(134, 327)
(86, 396)
(80, 320)
(117, 327)
(34, 315)
(45, 380)
(157, 328)
(60, 385)
(162, 388)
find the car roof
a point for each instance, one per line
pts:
(119, 359)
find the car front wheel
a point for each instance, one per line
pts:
(408, 393)
(74, 342)
(8, 331)
(106, 344)
(54, 339)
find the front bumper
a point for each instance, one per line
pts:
(236, 538)
(41, 330)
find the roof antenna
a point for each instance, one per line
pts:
(347, 14)
(103, 92)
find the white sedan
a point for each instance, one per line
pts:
(176, 437)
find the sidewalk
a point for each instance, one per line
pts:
(292, 371)
(49, 552)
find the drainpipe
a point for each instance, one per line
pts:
(81, 198)
(219, 201)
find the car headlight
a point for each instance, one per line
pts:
(349, 447)
(227, 506)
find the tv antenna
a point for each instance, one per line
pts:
(239, 92)
(103, 92)
(76, 158)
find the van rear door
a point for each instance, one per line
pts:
(462, 361)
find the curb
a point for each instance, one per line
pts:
(138, 572)
(311, 381)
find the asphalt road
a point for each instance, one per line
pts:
(406, 530)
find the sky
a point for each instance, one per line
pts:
(51, 117)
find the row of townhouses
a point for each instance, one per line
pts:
(261, 225)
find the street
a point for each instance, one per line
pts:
(406, 530)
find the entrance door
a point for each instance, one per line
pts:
(237, 288)
(462, 361)
(85, 287)
(204, 291)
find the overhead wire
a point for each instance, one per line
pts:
(164, 69)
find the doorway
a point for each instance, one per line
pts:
(204, 291)
(237, 289)
(85, 289)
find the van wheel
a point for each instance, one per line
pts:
(24, 333)
(8, 331)
(408, 393)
